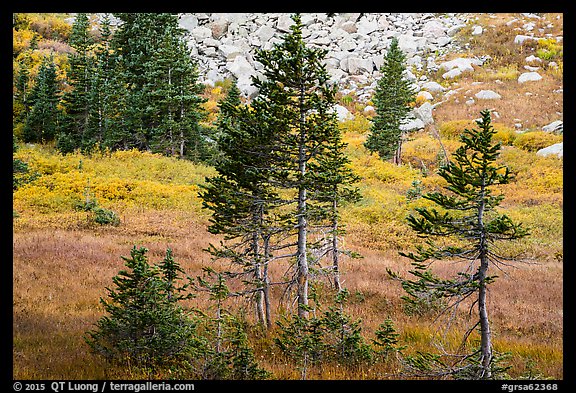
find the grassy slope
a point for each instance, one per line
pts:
(62, 262)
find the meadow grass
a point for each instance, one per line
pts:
(63, 263)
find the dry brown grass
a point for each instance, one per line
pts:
(59, 275)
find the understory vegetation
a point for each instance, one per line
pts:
(120, 271)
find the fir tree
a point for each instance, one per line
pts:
(392, 100)
(240, 197)
(21, 106)
(75, 101)
(297, 102)
(468, 213)
(162, 102)
(228, 355)
(42, 120)
(105, 94)
(145, 324)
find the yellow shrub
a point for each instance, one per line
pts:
(506, 72)
(359, 124)
(426, 153)
(21, 40)
(536, 140)
(505, 135)
(549, 49)
(50, 26)
(454, 128)
(374, 170)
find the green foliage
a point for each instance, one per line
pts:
(468, 214)
(415, 191)
(387, 340)
(429, 365)
(75, 101)
(145, 325)
(331, 338)
(392, 100)
(41, 123)
(227, 354)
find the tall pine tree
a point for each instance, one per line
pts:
(241, 198)
(296, 101)
(392, 99)
(467, 213)
(42, 121)
(163, 103)
(75, 101)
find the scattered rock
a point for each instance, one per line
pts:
(412, 124)
(556, 126)
(424, 113)
(487, 95)
(556, 149)
(433, 87)
(532, 59)
(477, 30)
(424, 95)
(529, 68)
(453, 73)
(520, 38)
(529, 77)
(342, 113)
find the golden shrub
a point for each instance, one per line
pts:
(454, 128)
(359, 124)
(50, 26)
(21, 40)
(536, 140)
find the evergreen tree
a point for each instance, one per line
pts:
(174, 88)
(228, 355)
(42, 120)
(297, 102)
(240, 197)
(163, 103)
(145, 324)
(392, 99)
(75, 101)
(21, 106)
(105, 95)
(468, 213)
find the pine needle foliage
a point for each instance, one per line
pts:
(392, 99)
(467, 213)
(145, 326)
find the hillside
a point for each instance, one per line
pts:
(63, 259)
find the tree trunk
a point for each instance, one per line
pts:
(335, 253)
(302, 273)
(398, 154)
(259, 278)
(266, 279)
(485, 334)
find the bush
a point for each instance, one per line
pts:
(536, 140)
(105, 217)
(453, 129)
(549, 49)
(145, 327)
(332, 337)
